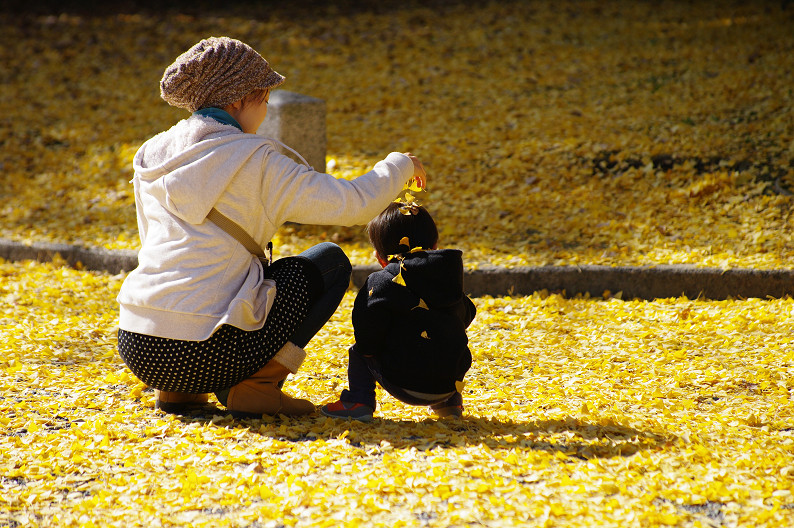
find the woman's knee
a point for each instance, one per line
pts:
(329, 258)
(334, 251)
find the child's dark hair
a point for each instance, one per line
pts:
(392, 225)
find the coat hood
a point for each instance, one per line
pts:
(187, 168)
(436, 275)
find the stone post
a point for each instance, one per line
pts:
(298, 121)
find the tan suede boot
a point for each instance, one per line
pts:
(260, 394)
(178, 402)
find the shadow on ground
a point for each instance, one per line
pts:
(577, 438)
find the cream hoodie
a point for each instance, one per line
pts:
(192, 277)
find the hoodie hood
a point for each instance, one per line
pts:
(436, 275)
(187, 168)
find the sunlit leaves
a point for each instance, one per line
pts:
(578, 412)
(541, 125)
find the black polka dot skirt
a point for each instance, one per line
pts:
(230, 355)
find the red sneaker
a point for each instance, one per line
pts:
(356, 411)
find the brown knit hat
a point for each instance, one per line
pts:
(216, 72)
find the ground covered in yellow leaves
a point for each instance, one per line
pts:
(553, 132)
(579, 412)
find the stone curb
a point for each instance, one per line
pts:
(640, 282)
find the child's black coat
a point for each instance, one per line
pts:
(418, 348)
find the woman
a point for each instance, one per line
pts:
(201, 313)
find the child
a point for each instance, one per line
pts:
(204, 311)
(409, 320)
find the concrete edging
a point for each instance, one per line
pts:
(640, 282)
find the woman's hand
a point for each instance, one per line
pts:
(420, 176)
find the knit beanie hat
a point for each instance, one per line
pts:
(216, 72)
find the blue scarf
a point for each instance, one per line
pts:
(221, 116)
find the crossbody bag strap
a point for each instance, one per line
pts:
(290, 149)
(239, 234)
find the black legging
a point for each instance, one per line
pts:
(230, 355)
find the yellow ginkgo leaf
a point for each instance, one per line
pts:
(422, 304)
(409, 208)
(404, 241)
(417, 248)
(399, 279)
(459, 386)
(424, 334)
(371, 290)
(413, 185)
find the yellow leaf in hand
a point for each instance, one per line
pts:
(413, 185)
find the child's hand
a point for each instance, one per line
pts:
(420, 176)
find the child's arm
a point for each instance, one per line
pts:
(373, 320)
(464, 310)
(471, 311)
